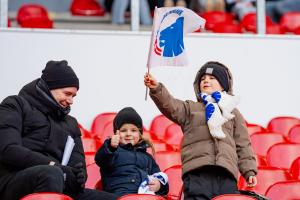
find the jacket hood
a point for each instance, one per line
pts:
(197, 79)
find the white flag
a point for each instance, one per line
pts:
(169, 26)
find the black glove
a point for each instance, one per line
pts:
(80, 174)
(70, 178)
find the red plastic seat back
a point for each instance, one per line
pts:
(86, 8)
(89, 158)
(215, 17)
(173, 136)
(284, 190)
(33, 16)
(90, 144)
(266, 177)
(100, 121)
(290, 21)
(248, 22)
(297, 31)
(282, 124)
(84, 132)
(141, 197)
(166, 159)
(294, 134)
(295, 168)
(93, 172)
(274, 29)
(261, 160)
(46, 196)
(282, 155)
(262, 141)
(159, 125)
(227, 28)
(233, 197)
(175, 182)
(253, 128)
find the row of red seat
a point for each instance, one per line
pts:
(163, 129)
(36, 16)
(222, 22)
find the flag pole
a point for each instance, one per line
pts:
(150, 48)
(146, 95)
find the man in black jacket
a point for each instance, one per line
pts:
(34, 127)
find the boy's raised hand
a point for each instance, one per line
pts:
(115, 140)
(150, 81)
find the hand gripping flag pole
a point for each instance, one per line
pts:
(170, 24)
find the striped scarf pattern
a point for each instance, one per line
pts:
(218, 108)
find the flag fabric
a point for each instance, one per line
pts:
(170, 24)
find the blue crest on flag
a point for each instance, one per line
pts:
(169, 41)
(171, 38)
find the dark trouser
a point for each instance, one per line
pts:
(208, 182)
(44, 178)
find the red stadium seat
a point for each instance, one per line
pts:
(93, 172)
(295, 169)
(261, 160)
(294, 134)
(86, 8)
(274, 29)
(215, 17)
(173, 136)
(84, 133)
(166, 159)
(141, 197)
(227, 28)
(158, 126)
(233, 197)
(290, 21)
(262, 141)
(282, 155)
(289, 190)
(282, 124)
(46, 196)
(8, 22)
(253, 128)
(297, 31)
(266, 177)
(248, 22)
(34, 16)
(108, 131)
(175, 182)
(89, 158)
(90, 144)
(159, 146)
(100, 121)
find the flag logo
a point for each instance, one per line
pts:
(170, 24)
(164, 43)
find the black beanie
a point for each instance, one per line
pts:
(128, 116)
(57, 74)
(217, 70)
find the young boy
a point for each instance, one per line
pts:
(216, 143)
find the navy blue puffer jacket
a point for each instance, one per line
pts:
(123, 169)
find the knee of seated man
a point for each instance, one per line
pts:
(52, 174)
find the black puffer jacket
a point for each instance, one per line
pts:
(125, 168)
(34, 131)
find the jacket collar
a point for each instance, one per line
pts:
(39, 95)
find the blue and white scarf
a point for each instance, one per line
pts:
(144, 188)
(214, 104)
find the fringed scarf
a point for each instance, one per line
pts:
(214, 104)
